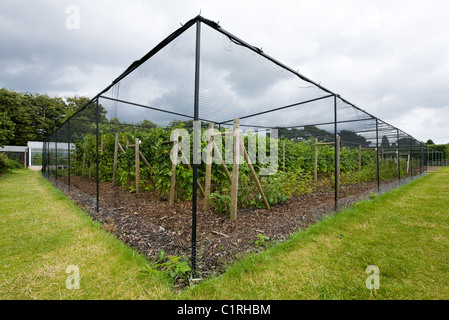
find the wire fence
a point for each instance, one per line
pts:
(207, 148)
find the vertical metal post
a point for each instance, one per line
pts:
(420, 159)
(411, 157)
(377, 156)
(399, 156)
(195, 142)
(97, 120)
(68, 149)
(56, 153)
(336, 155)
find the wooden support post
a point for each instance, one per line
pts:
(145, 160)
(235, 170)
(397, 160)
(315, 170)
(137, 164)
(253, 173)
(209, 149)
(114, 169)
(360, 158)
(84, 164)
(173, 168)
(120, 147)
(283, 155)
(408, 162)
(337, 167)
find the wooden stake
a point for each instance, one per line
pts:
(337, 173)
(208, 166)
(253, 173)
(235, 170)
(283, 155)
(84, 163)
(120, 147)
(145, 160)
(114, 169)
(137, 164)
(360, 158)
(408, 162)
(173, 168)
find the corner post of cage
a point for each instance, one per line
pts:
(336, 183)
(195, 142)
(377, 156)
(68, 152)
(97, 160)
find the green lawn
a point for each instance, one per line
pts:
(42, 233)
(405, 233)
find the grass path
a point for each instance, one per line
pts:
(405, 233)
(42, 233)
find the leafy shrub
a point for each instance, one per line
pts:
(7, 164)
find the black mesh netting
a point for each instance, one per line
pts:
(283, 151)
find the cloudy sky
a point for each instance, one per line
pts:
(390, 58)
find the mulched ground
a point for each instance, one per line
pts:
(150, 224)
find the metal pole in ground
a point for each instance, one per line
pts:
(195, 143)
(56, 154)
(336, 155)
(399, 156)
(68, 150)
(377, 156)
(97, 120)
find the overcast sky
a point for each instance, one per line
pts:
(390, 58)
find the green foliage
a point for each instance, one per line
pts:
(6, 129)
(34, 115)
(175, 267)
(7, 164)
(262, 241)
(279, 187)
(222, 202)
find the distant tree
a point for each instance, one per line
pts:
(353, 140)
(430, 142)
(74, 104)
(385, 142)
(147, 124)
(6, 129)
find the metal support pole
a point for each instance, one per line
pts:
(195, 142)
(411, 158)
(336, 155)
(97, 120)
(377, 156)
(399, 156)
(56, 153)
(68, 150)
(421, 159)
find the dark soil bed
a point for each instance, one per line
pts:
(149, 224)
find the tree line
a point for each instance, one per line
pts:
(28, 116)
